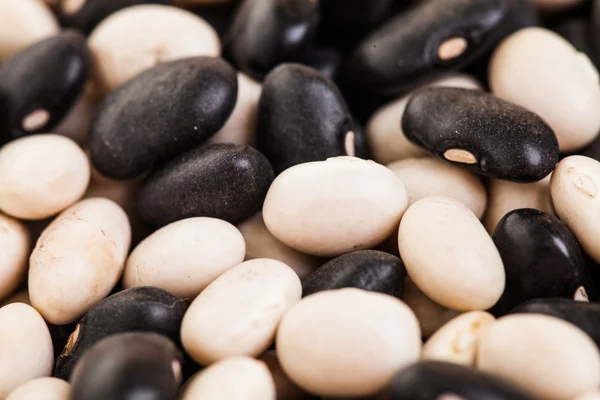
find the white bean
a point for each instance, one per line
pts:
(42, 389)
(15, 245)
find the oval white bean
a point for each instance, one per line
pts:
(42, 388)
(15, 245)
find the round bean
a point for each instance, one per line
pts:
(42, 388)
(15, 245)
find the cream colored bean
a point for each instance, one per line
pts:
(240, 128)
(332, 207)
(541, 71)
(15, 245)
(78, 259)
(574, 191)
(387, 141)
(330, 338)
(25, 346)
(260, 243)
(551, 358)
(284, 387)
(450, 256)
(457, 340)
(218, 324)
(588, 396)
(427, 176)
(24, 22)
(186, 256)
(137, 38)
(234, 378)
(41, 175)
(42, 389)
(504, 196)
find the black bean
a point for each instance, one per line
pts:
(225, 181)
(429, 380)
(302, 117)
(326, 61)
(161, 113)
(128, 366)
(39, 85)
(496, 138)
(370, 270)
(147, 309)
(266, 33)
(541, 258)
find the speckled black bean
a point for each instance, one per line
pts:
(507, 141)
(161, 113)
(302, 117)
(50, 75)
(266, 33)
(225, 181)
(429, 380)
(148, 309)
(370, 270)
(128, 366)
(404, 53)
(326, 61)
(541, 258)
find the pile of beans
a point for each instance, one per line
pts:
(299, 199)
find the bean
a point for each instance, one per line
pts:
(233, 378)
(267, 33)
(516, 348)
(517, 145)
(53, 174)
(331, 338)
(332, 207)
(434, 380)
(147, 309)
(426, 177)
(518, 74)
(285, 388)
(78, 259)
(26, 347)
(15, 245)
(42, 388)
(185, 256)
(217, 325)
(126, 365)
(574, 188)
(35, 100)
(225, 181)
(457, 340)
(370, 270)
(162, 34)
(588, 396)
(428, 230)
(541, 259)
(302, 117)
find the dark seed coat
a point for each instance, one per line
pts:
(370, 270)
(49, 75)
(128, 366)
(161, 113)
(508, 141)
(225, 181)
(147, 309)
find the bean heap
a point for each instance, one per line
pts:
(299, 199)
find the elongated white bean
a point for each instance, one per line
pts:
(15, 245)
(42, 388)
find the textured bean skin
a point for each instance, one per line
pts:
(161, 113)
(25, 87)
(506, 141)
(224, 181)
(138, 309)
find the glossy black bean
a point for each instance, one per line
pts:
(429, 40)
(225, 181)
(584, 315)
(266, 33)
(326, 61)
(147, 309)
(39, 85)
(161, 113)
(370, 270)
(302, 117)
(91, 12)
(541, 258)
(128, 366)
(496, 138)
(430, 380)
